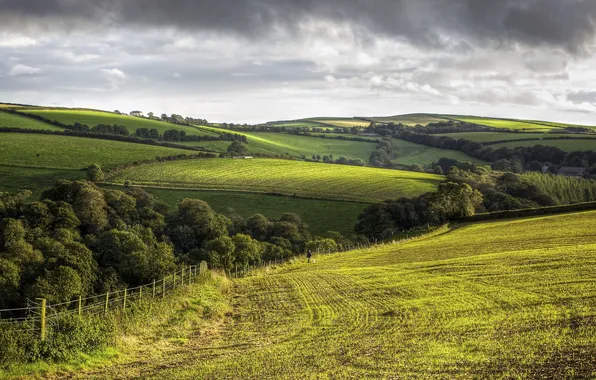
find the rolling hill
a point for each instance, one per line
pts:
(489, 300)
(93, 118)
(12, 120)
(304, 179)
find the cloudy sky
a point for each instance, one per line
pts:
(260, 60)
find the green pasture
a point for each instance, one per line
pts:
(67, 152)
(566, 145)
(93, 118)
(274, 143)
(504, 123)
(6, 105)
(14, 178)
(286, 177)
(17, 121)
(409, 119)
(320, 215)
(341, 122)
(505, 299)
(409, 153)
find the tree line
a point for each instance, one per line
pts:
(80, 240)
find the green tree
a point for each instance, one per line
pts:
(247, 250)
(94, 173)
(57, 286)
(236, 147)
(221, 252)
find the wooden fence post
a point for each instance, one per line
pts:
(174, 281)
(141, 293)
(182, 276)
(153, 288)
(43, 318)
(163, 293)
(80, 305)
(124, 303)
(107, 303)
(189, 275)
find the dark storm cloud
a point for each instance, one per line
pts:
(567, 24)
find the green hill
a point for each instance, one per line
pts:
(17, 121)
(505, 299)
(68, 152)
(283, 176)
(93, 118)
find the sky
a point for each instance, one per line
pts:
(261, 60)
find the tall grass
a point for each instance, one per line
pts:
(564, 190)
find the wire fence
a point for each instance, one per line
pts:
(37, 314)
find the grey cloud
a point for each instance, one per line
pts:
(582, 97)
(444, 24)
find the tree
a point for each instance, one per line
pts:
(60, 285)
(95, 173)
(322, 244)
(236, 147)
(221, 252)
(247, 250)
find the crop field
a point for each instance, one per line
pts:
(5, 105)
(294, 124)
(14, 178)
(16, 121)
(67, 152)
(562, 125)
(320, 215)
(566, 145)
(502, 123)
(93, 118)
(490, 300)
(408, 153)
(286, 177)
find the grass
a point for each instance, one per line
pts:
(566, 145)
(409, 119)
(482, 137)
(67, 152)
(6, 105)
(284, 177)
(340, 122)
(505, 299)
(292, 145)
(17, 121)
(13, 179)
(320, 215)
(408, 153)
(505, 123)
(93, 118)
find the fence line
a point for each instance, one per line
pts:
(37, 315)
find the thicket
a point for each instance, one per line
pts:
(81, 240)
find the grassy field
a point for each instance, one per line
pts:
(13, 179)
(409, 119)
(342, 122)
(5, 105)
(566, 145)
(93, 118)
(320, 215)
(66, 152)
(408, 153)
(482, 137)
(294, 124)
(17, 121)
(293, 145)
(491, 300)
(283, 177)
(502, 123)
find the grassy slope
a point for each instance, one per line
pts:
(320, 215)
(408, 153)
(505, 299)
(13, 179)
(66, 152)
(93, 118)
(566, 145)
(344, 122)
(502, 123)
(282, 144)
(409, 119)
(284, 177)
(17, 121)
(495, 136)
